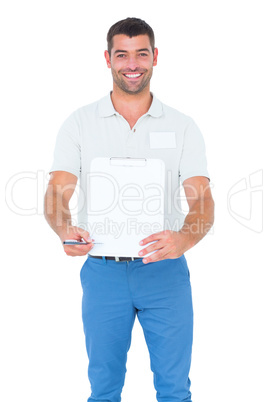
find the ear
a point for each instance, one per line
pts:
(107, 58)
(155, 56)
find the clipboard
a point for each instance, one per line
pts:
(125, 203)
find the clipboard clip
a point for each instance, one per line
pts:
(128, 161)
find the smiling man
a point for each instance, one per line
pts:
(131, 122)
(132, 67)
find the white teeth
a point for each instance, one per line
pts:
(132, 75)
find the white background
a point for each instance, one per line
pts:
(212, 66)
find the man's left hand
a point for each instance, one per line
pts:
(167, 244)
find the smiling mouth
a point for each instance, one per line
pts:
(132, 75)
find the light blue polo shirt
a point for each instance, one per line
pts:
(98, 130)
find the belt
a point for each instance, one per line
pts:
(117, 259)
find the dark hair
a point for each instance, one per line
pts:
(130, 27)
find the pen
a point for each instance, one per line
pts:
(76, 242)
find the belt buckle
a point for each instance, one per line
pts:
(117, 259)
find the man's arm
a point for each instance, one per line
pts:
(60, 189)
(199, 220)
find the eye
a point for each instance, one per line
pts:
(143, 54)
(121, 55)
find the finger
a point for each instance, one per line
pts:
(152, 247)
(83, 247)
(78, 233)
(76, 253)
(78, 250)
(84, 235)
(153, 237)
(157, 256)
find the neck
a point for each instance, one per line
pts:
(129, 105)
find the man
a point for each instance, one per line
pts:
(155, 287)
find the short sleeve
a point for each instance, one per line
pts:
(67, 152)
(193, 159)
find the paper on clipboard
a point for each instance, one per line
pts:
(125, 203)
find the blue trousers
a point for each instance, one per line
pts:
(159, 293)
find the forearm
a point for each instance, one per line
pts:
(197, 224)
(57, 212)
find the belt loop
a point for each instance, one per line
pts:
(104, 260)
(132, 258)
(117, 259)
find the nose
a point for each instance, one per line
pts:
(132, 62)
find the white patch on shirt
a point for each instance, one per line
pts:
(162, 139)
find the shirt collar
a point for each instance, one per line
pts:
(106, 107)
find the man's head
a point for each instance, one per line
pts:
(131, 55)
(130, 27)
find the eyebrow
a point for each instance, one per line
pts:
(139, 50)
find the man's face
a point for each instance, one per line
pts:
(131, 62)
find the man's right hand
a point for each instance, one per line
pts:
(76, 233)
(60, 189)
